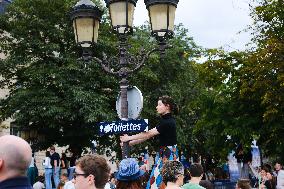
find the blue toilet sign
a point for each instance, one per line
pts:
(123, 127)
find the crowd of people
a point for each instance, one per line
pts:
(56, 167)
(17, 165)
(57, 170)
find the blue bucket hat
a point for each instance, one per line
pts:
(129, 170)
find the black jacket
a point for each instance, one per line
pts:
(16, 183)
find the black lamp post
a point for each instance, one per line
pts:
(86, 17)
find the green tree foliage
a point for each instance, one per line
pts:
(50, 90)
(266, 84)
(227, 118)
(243, 98)
(63, 98)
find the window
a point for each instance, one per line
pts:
(14, 129)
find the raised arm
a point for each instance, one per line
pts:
(140, 137)
(134, 142)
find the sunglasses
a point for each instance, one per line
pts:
(78, 174)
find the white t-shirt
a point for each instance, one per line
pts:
(107, 186)
(69, 185)
(47, 163)
(38, 185)
(280, 180)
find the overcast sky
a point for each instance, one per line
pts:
(211, 23)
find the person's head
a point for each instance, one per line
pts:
(173, 171)
(264, 171)
(166, 105)
(240, 147)
(269, 176)
(63, 156)
(196, 170)
(60, 185)
(268, 167)
(129, 174)
(47, 154)
(52, 150)
(136, 184)
(40, 178)
(15, 157)
(243, 184)
(196, 158)
(64, 177)
(278, 166)
(92, 171)
(129, 170)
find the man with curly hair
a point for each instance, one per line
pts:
(173, 174)
(91, 172)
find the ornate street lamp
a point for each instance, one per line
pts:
(121, 14)
(86, 16)
(162, 16)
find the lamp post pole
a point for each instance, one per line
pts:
(86, 17)
(124, 113)
(123, 89)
